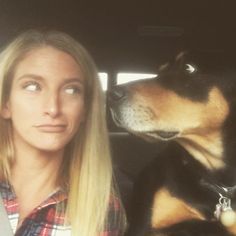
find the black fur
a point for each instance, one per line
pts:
(177, 170)
(183, 176)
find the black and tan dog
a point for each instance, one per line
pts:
(190, 189)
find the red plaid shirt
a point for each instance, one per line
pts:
(49, 217)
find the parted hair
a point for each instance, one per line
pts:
(86, 170)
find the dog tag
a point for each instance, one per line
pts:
(218, 211)
(223, 205)
(224, 212)
(228, 218)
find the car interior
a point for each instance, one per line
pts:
(129, 40)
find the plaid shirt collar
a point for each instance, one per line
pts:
(48, 219)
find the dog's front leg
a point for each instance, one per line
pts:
(193, 228)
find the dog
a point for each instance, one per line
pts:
(190, 188)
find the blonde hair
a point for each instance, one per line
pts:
(87, 168)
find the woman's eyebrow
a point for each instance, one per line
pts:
(33, 76)
(74, 80)
(40, 78)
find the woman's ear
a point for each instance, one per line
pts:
(5, 112)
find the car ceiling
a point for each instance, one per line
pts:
(130, 35)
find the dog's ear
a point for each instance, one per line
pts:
(179, 64)
(181, 57)
(182, 63)
(173, 62)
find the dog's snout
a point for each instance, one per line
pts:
(117, 93)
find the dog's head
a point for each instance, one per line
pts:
(180, 102)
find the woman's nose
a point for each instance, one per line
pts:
(52, 105)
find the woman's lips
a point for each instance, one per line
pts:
(48, 128)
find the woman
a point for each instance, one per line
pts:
(55, 167)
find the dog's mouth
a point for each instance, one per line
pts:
(148, 135)
(162, 135)
(153, 136)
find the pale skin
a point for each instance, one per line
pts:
(46, 107)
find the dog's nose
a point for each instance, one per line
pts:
(116, 94)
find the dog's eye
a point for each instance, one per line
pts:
(190, 69)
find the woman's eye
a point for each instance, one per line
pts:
(32, 87)
(73, 90)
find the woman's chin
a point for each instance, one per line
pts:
(47, 146)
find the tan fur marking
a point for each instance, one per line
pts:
(168, 210)
(199, 123)
(205, 142)
(171, 111)
(232, 229)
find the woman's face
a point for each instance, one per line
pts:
(46, 103)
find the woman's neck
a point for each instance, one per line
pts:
(34, 176)
(36, 167)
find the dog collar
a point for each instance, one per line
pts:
(223, 209)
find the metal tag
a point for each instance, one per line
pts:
(223, 205)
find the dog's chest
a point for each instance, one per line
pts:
(168, 210)
(185, 199)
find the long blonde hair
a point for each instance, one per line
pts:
(87, 168)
